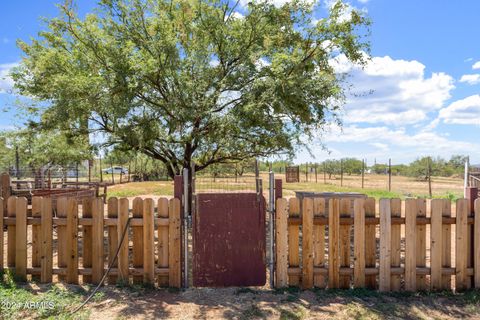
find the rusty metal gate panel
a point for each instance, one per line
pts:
(229, 240)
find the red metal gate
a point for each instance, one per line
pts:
(229, 240)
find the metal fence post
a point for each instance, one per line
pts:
(271, 208)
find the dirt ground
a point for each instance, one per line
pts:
(261, 303)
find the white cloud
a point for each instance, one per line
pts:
(465, 111)
(476, 65)
(390, 91)
(6, 82)
(363, 1)
(400, 142)
(470, 78)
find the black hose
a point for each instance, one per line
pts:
(108, 270)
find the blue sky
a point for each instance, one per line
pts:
(424, 73)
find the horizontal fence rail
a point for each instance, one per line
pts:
(76, 241)
(346, 243)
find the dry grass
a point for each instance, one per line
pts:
(375, 186)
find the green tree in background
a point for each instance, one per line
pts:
(183, 81)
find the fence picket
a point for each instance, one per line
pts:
(359, 243)
(148, 242)
(163, 241)
(461, 244)
(97, 241)
(421, 244)
(36, 233)
(112, 212)
(46, 250)
(319, 280)
(72, 241)
(477, 243)
(345, 230)
(87, 207)
(396, 240)
(385, 244)
(21, 239)
(307, 243)
(370, 243)
(174, 251)
(123, 207)
(11, 212)
(293, 241)
(447, 245)
(62, 236)
(137, 239)
(333, 244)
(436, 246)
(410, 241)
(281, 229)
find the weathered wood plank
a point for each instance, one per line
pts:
(123, 275)
(307, 243)
(410, 244)
(436, 244)
(72, 241)
(112, 212)
(174, 252)
(334, 244)
(396, 236)
(319, 242)
(98, 263)
(370, 243)
(46, 250)
(148, 242)
(281, 245)
(163, 241)
(359, 243)
(461, 245)
(21, 239)
(385, 245)
(293, 241)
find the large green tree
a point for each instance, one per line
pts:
(193, 80)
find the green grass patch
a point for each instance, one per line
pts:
(51, 302)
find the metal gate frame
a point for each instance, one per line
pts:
(181, 190)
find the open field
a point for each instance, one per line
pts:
(375, 186)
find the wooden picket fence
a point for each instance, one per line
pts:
(74, 240)
(339, 246)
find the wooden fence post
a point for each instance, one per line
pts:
(87, 209)
(163, 241)
(62, 236)
(319, 242)
(174, 264)
(5, 191)
(436, 243)
(396, 240)
(36, 233)
(281, 246)
(385, 245)
(410, 248)
(148, 242)
(370, 243)
(21, 239)
(359, 243)
(97, 241)
(477, 244)
(72, 241)
(123, 208)
(46, 251)
(334, 244)
(113, 237)
(137, 239)
(461, 245)
(421, 244)
(293, 241)
(11, 211)
(447, 245)
(345, 231)
(307, 243)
